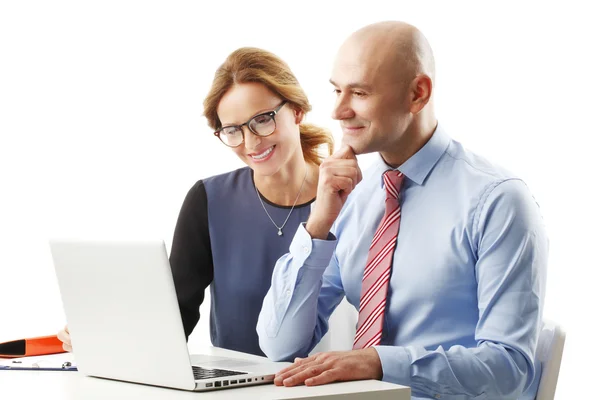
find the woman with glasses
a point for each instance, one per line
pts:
(233, 227)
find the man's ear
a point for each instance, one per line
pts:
(421, 89)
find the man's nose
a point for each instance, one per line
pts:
(342, 109)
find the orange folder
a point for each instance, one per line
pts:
(36, 346)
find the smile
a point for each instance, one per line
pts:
(264, 154)
(352, 129)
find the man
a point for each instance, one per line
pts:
(443, 254)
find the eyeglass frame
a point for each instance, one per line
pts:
(272, 114)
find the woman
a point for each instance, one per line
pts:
(233, 227)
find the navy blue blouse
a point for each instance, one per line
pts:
(223, 238)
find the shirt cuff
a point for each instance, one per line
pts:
(395, 363)
(315, 253)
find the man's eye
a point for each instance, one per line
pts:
(360, 94)
(337, 91)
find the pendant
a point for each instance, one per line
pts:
(279, 232)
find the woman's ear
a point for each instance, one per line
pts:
(298, 115)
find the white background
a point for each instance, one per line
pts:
(102, 134)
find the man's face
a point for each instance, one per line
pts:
(371, 99)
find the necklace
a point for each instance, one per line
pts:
(279, 228)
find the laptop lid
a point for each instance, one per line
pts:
(122, 311)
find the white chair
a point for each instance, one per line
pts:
(549, 353)
(342, 325)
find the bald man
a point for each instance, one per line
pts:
(442, 253)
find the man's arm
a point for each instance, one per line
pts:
(305, 289)
(306, 286)
(512, 248)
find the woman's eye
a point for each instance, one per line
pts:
(230, 131)
(262, 119)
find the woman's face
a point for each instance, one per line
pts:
(266, 155)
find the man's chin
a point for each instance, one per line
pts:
(356, 145)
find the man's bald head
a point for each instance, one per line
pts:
(394, 48)
(383, 77)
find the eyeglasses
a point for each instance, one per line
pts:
(260, 125)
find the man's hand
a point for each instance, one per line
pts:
(65, 337)
(330, 367)
(338, 175)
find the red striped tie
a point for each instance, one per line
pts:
(379, 266)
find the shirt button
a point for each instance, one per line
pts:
(305, 249)
(438, 396)
(288, 293)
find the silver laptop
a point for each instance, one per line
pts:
(121, 307)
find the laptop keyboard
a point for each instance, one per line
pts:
(208, 373)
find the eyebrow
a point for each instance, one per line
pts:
(223, 125)
(354, 85)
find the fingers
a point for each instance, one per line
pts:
(292, 369)
(301, 373)
(65, 337)
(339, 162)
(318, 372)
(344, 152)
(306, 372)
(286, 370)
(341, 184)
(338, 176)
(332, 168)
(305, 369)
(327, 376)
(330, 367)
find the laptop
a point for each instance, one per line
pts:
(124, 319)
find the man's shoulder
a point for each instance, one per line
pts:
(486, 180)
(466, 163)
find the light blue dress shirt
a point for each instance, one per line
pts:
(466, 293)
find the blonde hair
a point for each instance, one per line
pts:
(249, 64)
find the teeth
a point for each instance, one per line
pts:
(263, 155)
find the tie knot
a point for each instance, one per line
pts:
(393, 182)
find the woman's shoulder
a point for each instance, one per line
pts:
(238, 179)
(224, 180)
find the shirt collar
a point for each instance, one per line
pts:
(418, 167)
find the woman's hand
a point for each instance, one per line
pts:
(65, 338)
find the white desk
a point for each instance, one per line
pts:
(50, 385)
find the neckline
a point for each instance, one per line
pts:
(269, 202)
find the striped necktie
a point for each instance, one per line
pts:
(379, 266)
